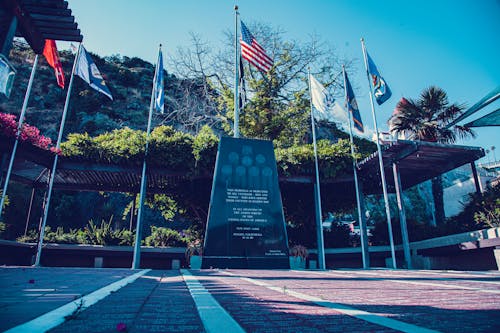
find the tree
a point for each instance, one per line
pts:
(278, 102)
(428, 119)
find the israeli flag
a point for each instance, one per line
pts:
(158, 84)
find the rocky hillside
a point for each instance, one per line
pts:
(130, 82)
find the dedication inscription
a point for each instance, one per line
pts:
(246, 226)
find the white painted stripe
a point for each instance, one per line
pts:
(394, 272)
(433, 284)
(215, 319)
(360, 314)
(477, 274)
(451, 286)
(56, 317)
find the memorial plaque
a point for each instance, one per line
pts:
(246, 225)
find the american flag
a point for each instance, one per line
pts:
(253, 52)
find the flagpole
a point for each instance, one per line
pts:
(364, 256)
(236, 77)
(18, 133)
(136, 262)
(56, 156)
(317, 197)
(380, 160)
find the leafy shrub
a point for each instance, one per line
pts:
(299, 159)
(485, 208)
(2, 228)
(121, 146)
(91, 234)
(162, 237)
(205, 149)
(60, 237)
(299, 251)
(171, 149)
(175, 150)
(103, 234)
(194, 248)
(30, 237)
(337, 236)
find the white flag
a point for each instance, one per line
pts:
(326, 106)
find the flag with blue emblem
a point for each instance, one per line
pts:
(326, 106)
(88, 71)
(352, 105)
(159, 93)
(381, 90)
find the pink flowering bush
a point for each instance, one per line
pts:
(29, 134)
(8, 125)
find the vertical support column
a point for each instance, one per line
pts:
(29, 211)
(319, 229)
(402, 215)
(132, 214)
(2, 164)
(476, 178)
(363, 229)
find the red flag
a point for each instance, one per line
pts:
(50, 53)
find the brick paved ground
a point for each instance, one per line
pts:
(447, 302)
(26, 292)
(260, 301)
(156, 302)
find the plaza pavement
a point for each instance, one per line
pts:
(377, 300)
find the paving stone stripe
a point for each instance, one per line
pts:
(367, 316)
(56, 317)
(212, 314)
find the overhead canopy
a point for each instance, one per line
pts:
(37, 20)
(418, 161)
(485, 101)
(32, 167)
(491, 119)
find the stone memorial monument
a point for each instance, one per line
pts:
(246, 225)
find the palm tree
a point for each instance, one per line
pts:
(427, 119)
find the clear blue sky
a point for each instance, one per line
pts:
(454, 44)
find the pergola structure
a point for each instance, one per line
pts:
(406, 163)
(36, 21)
(417, 161)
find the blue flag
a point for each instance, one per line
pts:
(381, 90)
(87, 70)
(352, 105)
(159, 93)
